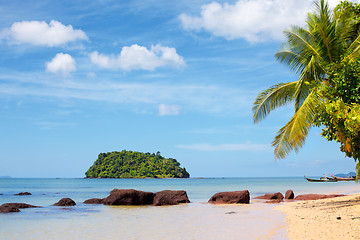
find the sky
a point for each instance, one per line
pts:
(79, 78)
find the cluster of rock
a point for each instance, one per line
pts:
(136, 197)
(289, 195)
(116, 197)
(277, 197)
(169, 197)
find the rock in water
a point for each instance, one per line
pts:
(19, 205)
(129, 197)
(14, 207)
(64, 202)
(94, 201)
(23, 194)
(8, 209)
(289, 194)
(269, 196)
(169, 197)
(231, 197)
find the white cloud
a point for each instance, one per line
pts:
(226, 147)
(139, 57)
(61, 63)
(168, 110)
(43, 34)
(254, 21)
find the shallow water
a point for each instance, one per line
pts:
(196, 220)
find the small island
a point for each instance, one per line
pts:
(129, 164)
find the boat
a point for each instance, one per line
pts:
(331, 178)
(322, 179)
(344, 179)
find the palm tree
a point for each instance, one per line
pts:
(327, 38)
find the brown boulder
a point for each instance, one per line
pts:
(231, 197)
(289, 194)
(7, 209)
(64, 202)
(129, 197)
(19, 205)
(270, 196)
(315, 196)
(94, 201)
(23, 194)
(14, 207)
(169, 197)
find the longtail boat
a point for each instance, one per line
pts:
(331, 178)
(343, 179)
(322, 179)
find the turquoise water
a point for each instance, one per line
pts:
(196, 220)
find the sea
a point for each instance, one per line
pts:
(196, 220)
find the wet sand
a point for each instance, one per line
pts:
(332, 218)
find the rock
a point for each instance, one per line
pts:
(7, 209)
(129, 197)
(94, 201)
(315, 196)
(270, 196)
(231, 197)
(19, 205)
(64, 202)
(14, 207)
(23, 194)
(289, 194)
(169, 197)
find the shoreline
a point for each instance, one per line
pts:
(332, 218)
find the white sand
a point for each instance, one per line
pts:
(332, 218)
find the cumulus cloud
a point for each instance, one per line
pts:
(62, 64)
(165, 109)
(254, 21)
(226, 147)
(138, 57)
(42, 34)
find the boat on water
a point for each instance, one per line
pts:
(344, 179)
(322, 179)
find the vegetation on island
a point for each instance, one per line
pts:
(129, 164)
(326, 56)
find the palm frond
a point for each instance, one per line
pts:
(309, 77)
(292, 136)
(302, 42)
(327, 41)
(291, 58)
(275, 96)
(301, 93)
(353, 52)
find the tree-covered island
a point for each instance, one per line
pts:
(129, 164)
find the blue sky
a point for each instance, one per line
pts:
(78, 78)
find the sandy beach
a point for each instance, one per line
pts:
(332, 218)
